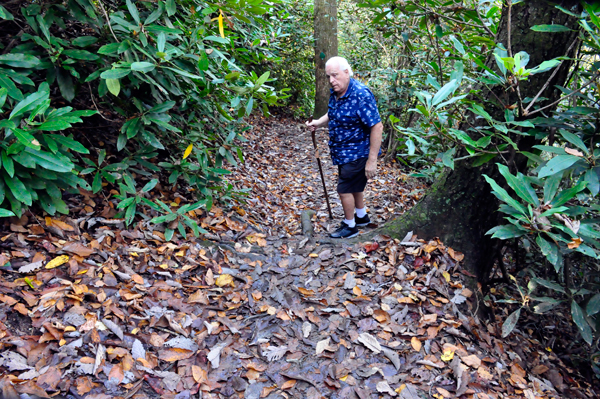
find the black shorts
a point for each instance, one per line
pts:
(352, 178)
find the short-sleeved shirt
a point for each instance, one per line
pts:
(350, 120)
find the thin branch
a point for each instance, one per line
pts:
(427, 11)
(96, 106)
(509, 22)
(549, 79)
(108, 20)
(488, 30)
(568, 95)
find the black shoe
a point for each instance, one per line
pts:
(345, 231)
(363, 221)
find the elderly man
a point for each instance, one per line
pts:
(354, 139)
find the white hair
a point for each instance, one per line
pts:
(341, 62)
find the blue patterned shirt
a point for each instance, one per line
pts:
(350, 120)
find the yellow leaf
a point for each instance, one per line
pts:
(59, 260)
(446, 276)
(357, 291)
(416, 344)
(188, 151)
(344, 378)
(221, 31)
(224, 279)
(448, 355)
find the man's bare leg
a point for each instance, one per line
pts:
(348, 204)
(359, 200)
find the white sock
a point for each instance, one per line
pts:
(361, 212)
(350, 223)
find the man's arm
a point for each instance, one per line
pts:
(315, 123)
(371, 166)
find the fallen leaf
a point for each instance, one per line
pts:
(174, 354)
(370, 342)
(416, 344)
(58, 261)
(288, 384)
(322, 345)
(223, 280)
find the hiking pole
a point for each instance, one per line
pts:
(314, 140)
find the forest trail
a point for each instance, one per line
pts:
(254, 309)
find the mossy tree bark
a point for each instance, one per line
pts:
(459, 208)
(326, 46)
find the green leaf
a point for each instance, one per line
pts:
(5, 213)
(557, 164)
(217, 39)
(550, 28)
(581, 322)
(184, 73)
(160, 108)
(65, 84)
(4, 14)
(19, 60)
(520, 186)
(171, 8)
(150, 185)
(458, 45)
(107, 49)
(503, 196)
(133, 11)
(31, 101)
(142, 66)
(203, 62)
(161, 41)
(506, 231)
(18, 189)
(444, 92)
(114, 86)
(263, 78)
(544, 66)
(26, 138)
(566, 195)
(549, 284)
(81, 55)
(169, 234)
(115, 73)
(70, 143)
(448, 158)
(550, 251)
(54, 162)
(84, 41)
(573, 139)
(593, 306)
(510, 323)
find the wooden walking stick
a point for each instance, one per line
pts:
(321, 171)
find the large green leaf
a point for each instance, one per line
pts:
(510, 323)
(81, 55)
(133, 11)
(444, 92)
(70, 143)
(593, 305)
(506, 232)
(550, 251)
(54, 162)
(581, 322)
(142, 66)
(18, 189)
(4, 14)
(26, 138)
(65, 84)
(504, 196)
(558, 164)
(566, 195)
(19, 60)
(550, 28)
(115, 73)
(520, 186)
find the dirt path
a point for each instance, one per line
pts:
(281, 171)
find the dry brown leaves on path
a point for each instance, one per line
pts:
(91, 310)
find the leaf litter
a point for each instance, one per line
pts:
(249, 311)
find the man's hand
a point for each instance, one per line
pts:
(312, 125)
(371, 168)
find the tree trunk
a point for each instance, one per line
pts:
(459, 208)
(326, 46)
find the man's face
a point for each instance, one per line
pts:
(338, 79)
